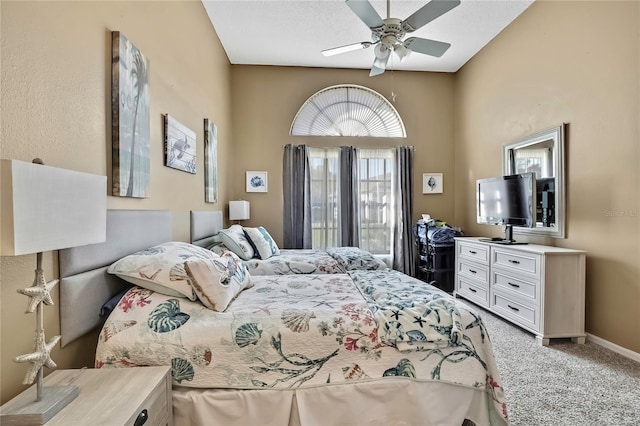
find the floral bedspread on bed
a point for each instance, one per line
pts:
(293, 261)
(410, 317)
(292, 331)
(314, 261)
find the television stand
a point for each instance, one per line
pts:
(498, 240)
(507, 240)
(539, 288)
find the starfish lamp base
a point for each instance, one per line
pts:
(25, 410)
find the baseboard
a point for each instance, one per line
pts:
(615, 348)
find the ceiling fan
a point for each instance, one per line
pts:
(387, 34)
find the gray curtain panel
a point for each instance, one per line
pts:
(403, 250)
(296, 184)
(349, 198)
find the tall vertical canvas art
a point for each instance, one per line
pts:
(210, 162)
(129, 119)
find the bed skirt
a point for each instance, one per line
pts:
(392, 402)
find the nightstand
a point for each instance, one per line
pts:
(110, 396)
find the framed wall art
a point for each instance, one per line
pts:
(210, 161)
(432, 183)
(256, 182)
(130, 150)
(179, 145)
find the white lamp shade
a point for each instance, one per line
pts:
(239, 210)
(46, 208)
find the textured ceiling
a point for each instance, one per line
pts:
(293, 32)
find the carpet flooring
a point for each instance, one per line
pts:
(563, 384)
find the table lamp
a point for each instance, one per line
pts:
(46, 208)
(239, 210)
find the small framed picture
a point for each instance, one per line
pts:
(256, 181)
(179, 145)
(432, 183)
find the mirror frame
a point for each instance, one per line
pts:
(557, 134)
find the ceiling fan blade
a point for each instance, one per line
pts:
(365, 12)
(347, 48)
(380, 63)
(426, 46)
(428, 13)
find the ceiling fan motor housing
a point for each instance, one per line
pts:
(389, 34)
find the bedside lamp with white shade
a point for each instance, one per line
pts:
(46, 208)
(239, 210)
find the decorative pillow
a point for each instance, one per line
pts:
(161, 268)
(262, 242)
(218, 281)
(235, 240)
(215, 240)
(219, 249)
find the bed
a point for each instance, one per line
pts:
(362, 347)
(206, 224)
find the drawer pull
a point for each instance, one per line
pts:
(472, 271)
(515, 262)
(473, 290)
(513, 308)
(513, 285)
(142, 418)
(473, 252)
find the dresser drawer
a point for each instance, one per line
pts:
(517, 312)
(474, 292)
(474, 271)
(474, 252)
(523, 287)
(516, 261)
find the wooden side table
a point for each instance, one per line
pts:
(108, 396)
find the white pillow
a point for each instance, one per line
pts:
(218, 281)
(262, 241)
(161, 268)
(235, 240)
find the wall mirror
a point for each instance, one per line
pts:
(542, 153)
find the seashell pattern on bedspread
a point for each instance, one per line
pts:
(337, 260)
(295, 261)
(294, 331)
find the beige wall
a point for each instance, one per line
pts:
(579, 63)
(560, 61)
(266, 99)
(56, 67)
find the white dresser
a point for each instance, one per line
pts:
(538, 288)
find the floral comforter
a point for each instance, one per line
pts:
(315, 261)
(294, 331)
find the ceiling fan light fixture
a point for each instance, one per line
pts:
(401, 51)
(381, 51)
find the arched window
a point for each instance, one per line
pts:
(348, 110)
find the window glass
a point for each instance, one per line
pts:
(375, 192)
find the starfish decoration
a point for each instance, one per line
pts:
(39, 357)
(419, 320)
(396, 314)
(38, 292)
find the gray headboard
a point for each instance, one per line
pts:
(204, 225)
(84, 283)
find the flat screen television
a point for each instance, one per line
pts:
(508, 201)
